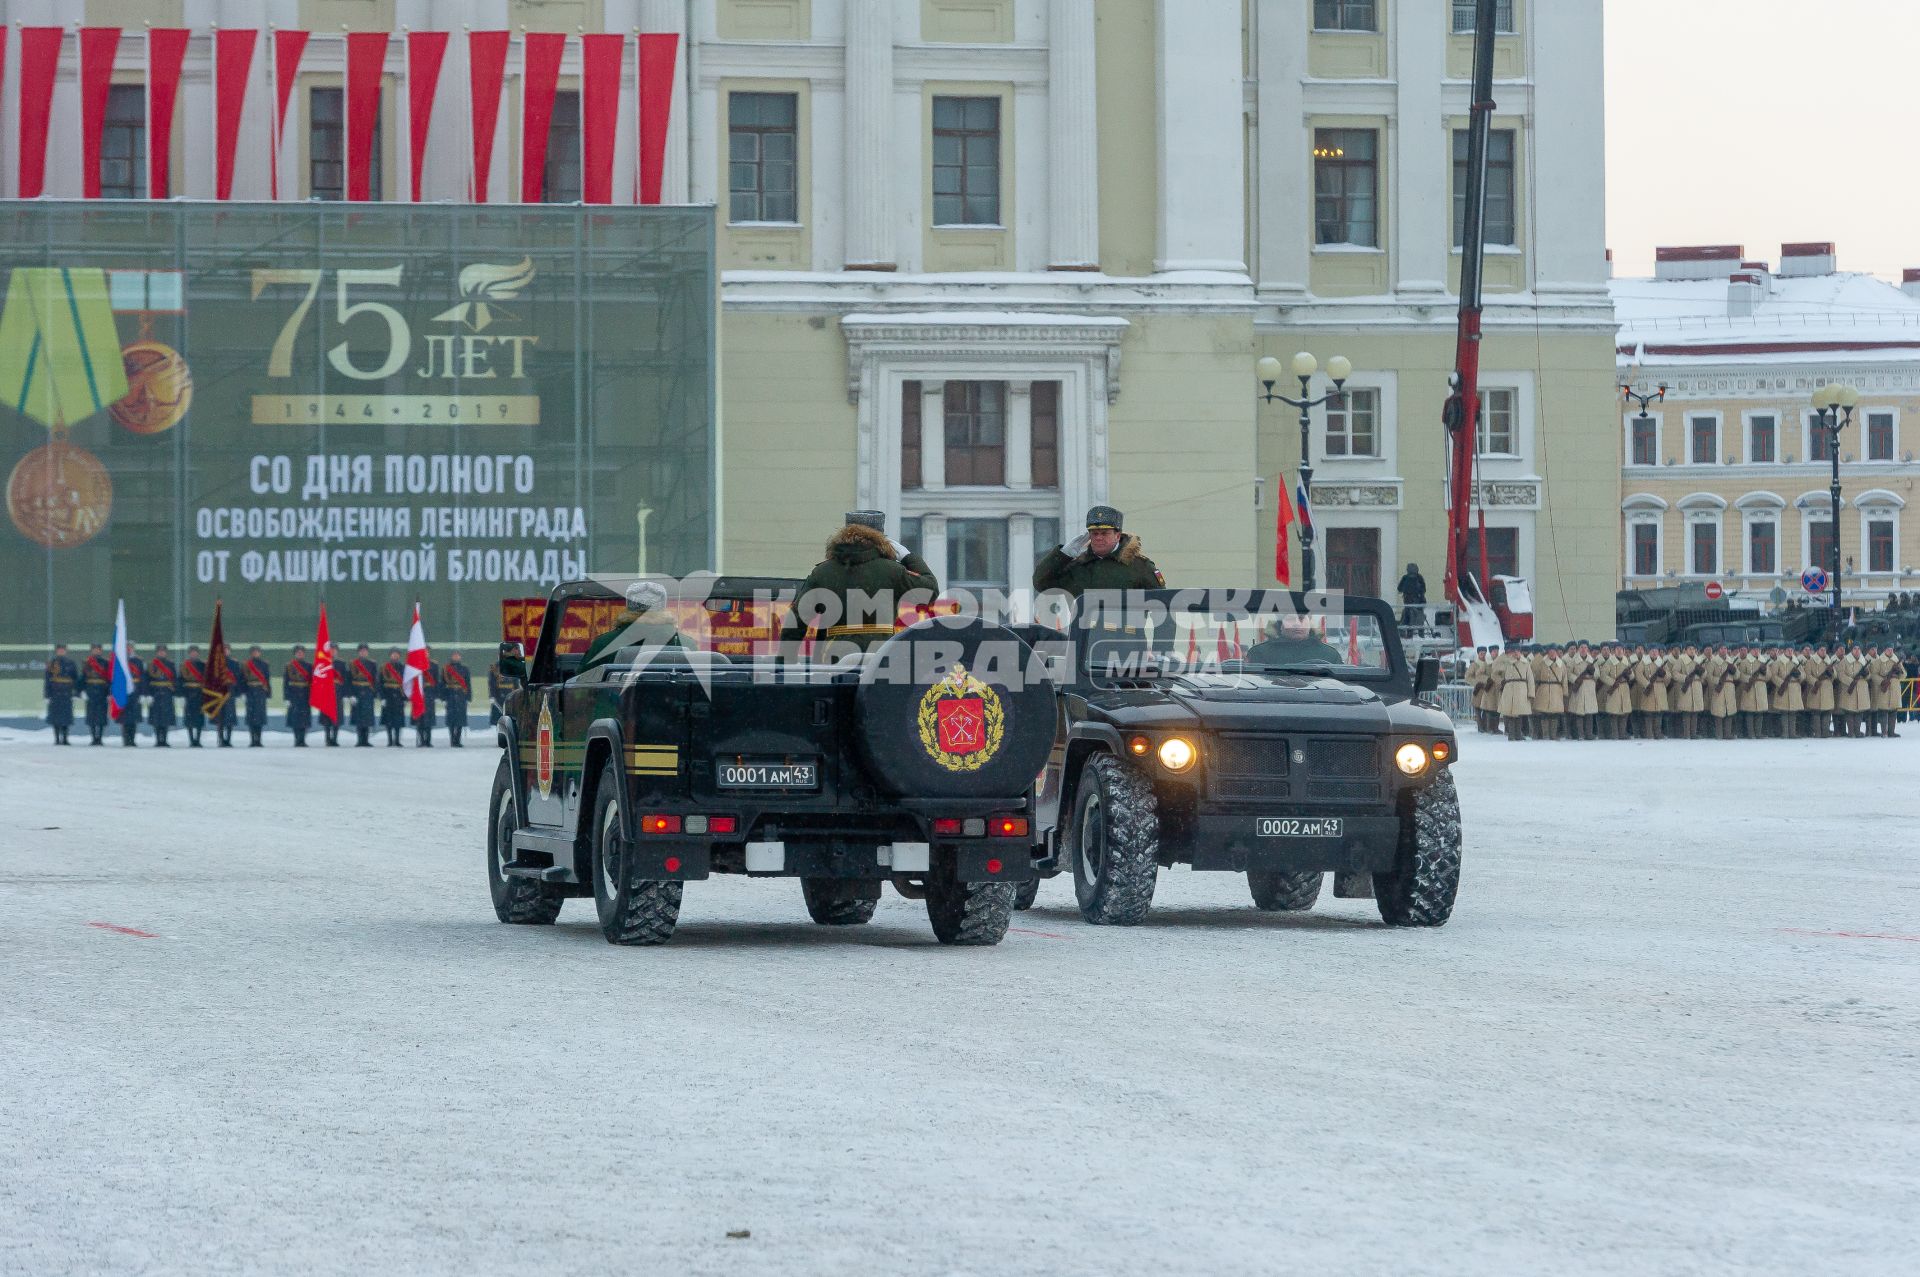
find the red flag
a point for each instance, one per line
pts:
(97, 47)
(39, 60)
(287, 48)
(600, 57)
(413, 679)
(233, 62)
(166, 49)
(1353, 640)
(659, 58)
(1282, 565)
(542, 51)
(425, 49)
(217, 686)
(366, 54)
(325, 693)
(486, 68)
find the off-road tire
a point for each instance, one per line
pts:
(1419, 890)
(975, 913)
(1116, 820)
(830, 903)
(632, 911)
(1284, 891)
(526, 901)
(1025, 894)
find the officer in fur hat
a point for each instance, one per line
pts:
(857, 591)
(1102, 558)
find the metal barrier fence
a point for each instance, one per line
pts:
(1457, 700)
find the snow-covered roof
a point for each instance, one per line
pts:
(1837, 318)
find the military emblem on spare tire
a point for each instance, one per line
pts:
(961, 722)
(543, 749)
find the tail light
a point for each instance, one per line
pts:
(660, 824)
(723, 825)
(946, 827)
(1008, 826)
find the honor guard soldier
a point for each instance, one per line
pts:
(393, 695)
(1820, 699)
(1583, 699)
(296, 684)
(193, 688)
(163, 684)
(96, 678)
(1750, 671)
(60, 685)
(1612, 673)
(363, 686)
(1649, 681)
(456, 689)
(1783, 687)
(1852, 701)
(256, 680)
(857, 592)
(229, 715)
(1549, 694)
(1104, 557)
(429, 693)
(1685, 699)
(1513, 673)
(1883, 676)
(1717, 685)
(1479, 679)
(136, 688)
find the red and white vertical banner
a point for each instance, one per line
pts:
(324, 690)
(39, 61)
(97, 48)
(166, 50)
(417, 663)
(658, 62)
(288, 46)
(425, 52)
(486, 71)
(232, 69)
(366, 56)
(601, 56)
(541, 52)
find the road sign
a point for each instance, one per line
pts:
(1776, 596)
(1814, 580)
(1714, 590)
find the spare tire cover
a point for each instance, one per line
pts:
(954, 707)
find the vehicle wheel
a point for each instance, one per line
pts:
(1419, 890)
(968, 912)
(840, 902)
(632, 910)
(1025, 894)
(521, 900)
(1116, 836)
(1284, 891)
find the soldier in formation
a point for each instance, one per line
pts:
(393, 695)
(363, 688)
(456, 689)
(96, 679)
(130, 712)
(423, 722)
(296, 684)
(162, 686)
(256, 682)
(60, 685)
(193, 689)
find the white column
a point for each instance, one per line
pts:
(664, 16)
(1073, 169)
(1283, 202)
(868, 135)
(1021, 557)
(1567, 233)
(1423, 158)
(1201, 137)
(933, 436)
(933, 544)
(1019, 435)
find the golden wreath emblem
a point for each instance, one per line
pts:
(961, 722)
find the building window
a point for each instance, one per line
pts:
(1503, 552)
(327, 147)
(910, 434)
(1763, 431)
(1643, 445)
(976, 553)
(1703, 440)
(1879, 436)
(1353, 425)
(1501, 219)
(1353, 561)
(1820, 543)
(1879, 545)
(1646, 548)
(966, 161)
(1819, 441)
(1046, 533)
(561, 180)
(1045, 461)
(1345, 15)
(1346, 187)
(1463, 17)
(1498, 435)
(123, 144)
(1763, 538)
(976, 430)
(1704, 540)
(762, 168)
(910, 535)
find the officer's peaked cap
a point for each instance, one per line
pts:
(1104, 516)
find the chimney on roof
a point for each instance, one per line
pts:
(1744, 290)
(1815, 257)
(1698, 261)
(1761, 269)
(1910, 281)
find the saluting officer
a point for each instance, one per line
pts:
(393, 695)
(363, 685)
(60, 685)
(1104, 557)
(856, 593)
(97, 679)
(136, 688)
(193, 688)
(163, 684)
(456, 689)
(429, 693)
(296, 684)
(256, 680)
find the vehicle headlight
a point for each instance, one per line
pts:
(1410, 759)
(1177, 753)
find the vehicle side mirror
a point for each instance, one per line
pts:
(512, 663)
(1426, 675)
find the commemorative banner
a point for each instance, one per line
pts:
(288, 404)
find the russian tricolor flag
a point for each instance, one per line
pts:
(121, 690)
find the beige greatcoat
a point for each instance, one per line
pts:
(1817, 677)
(1513, 673)
(1549, 684)
(1649, 678)
(1582, 692)
(1686, 696)
(1851, 679)
(1616, 691)
(1751, 670)
(1885, 673)
(1783, 677)
(1717, 675)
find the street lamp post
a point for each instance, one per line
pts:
(1304, 366)
(1834, 403)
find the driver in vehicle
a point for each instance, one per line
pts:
(644, 622)
(1293, 642)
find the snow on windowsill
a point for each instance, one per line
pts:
(1348, 248)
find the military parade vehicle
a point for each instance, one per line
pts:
(662, 735)
(1250, 732)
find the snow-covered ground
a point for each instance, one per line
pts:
(1674, 1027)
